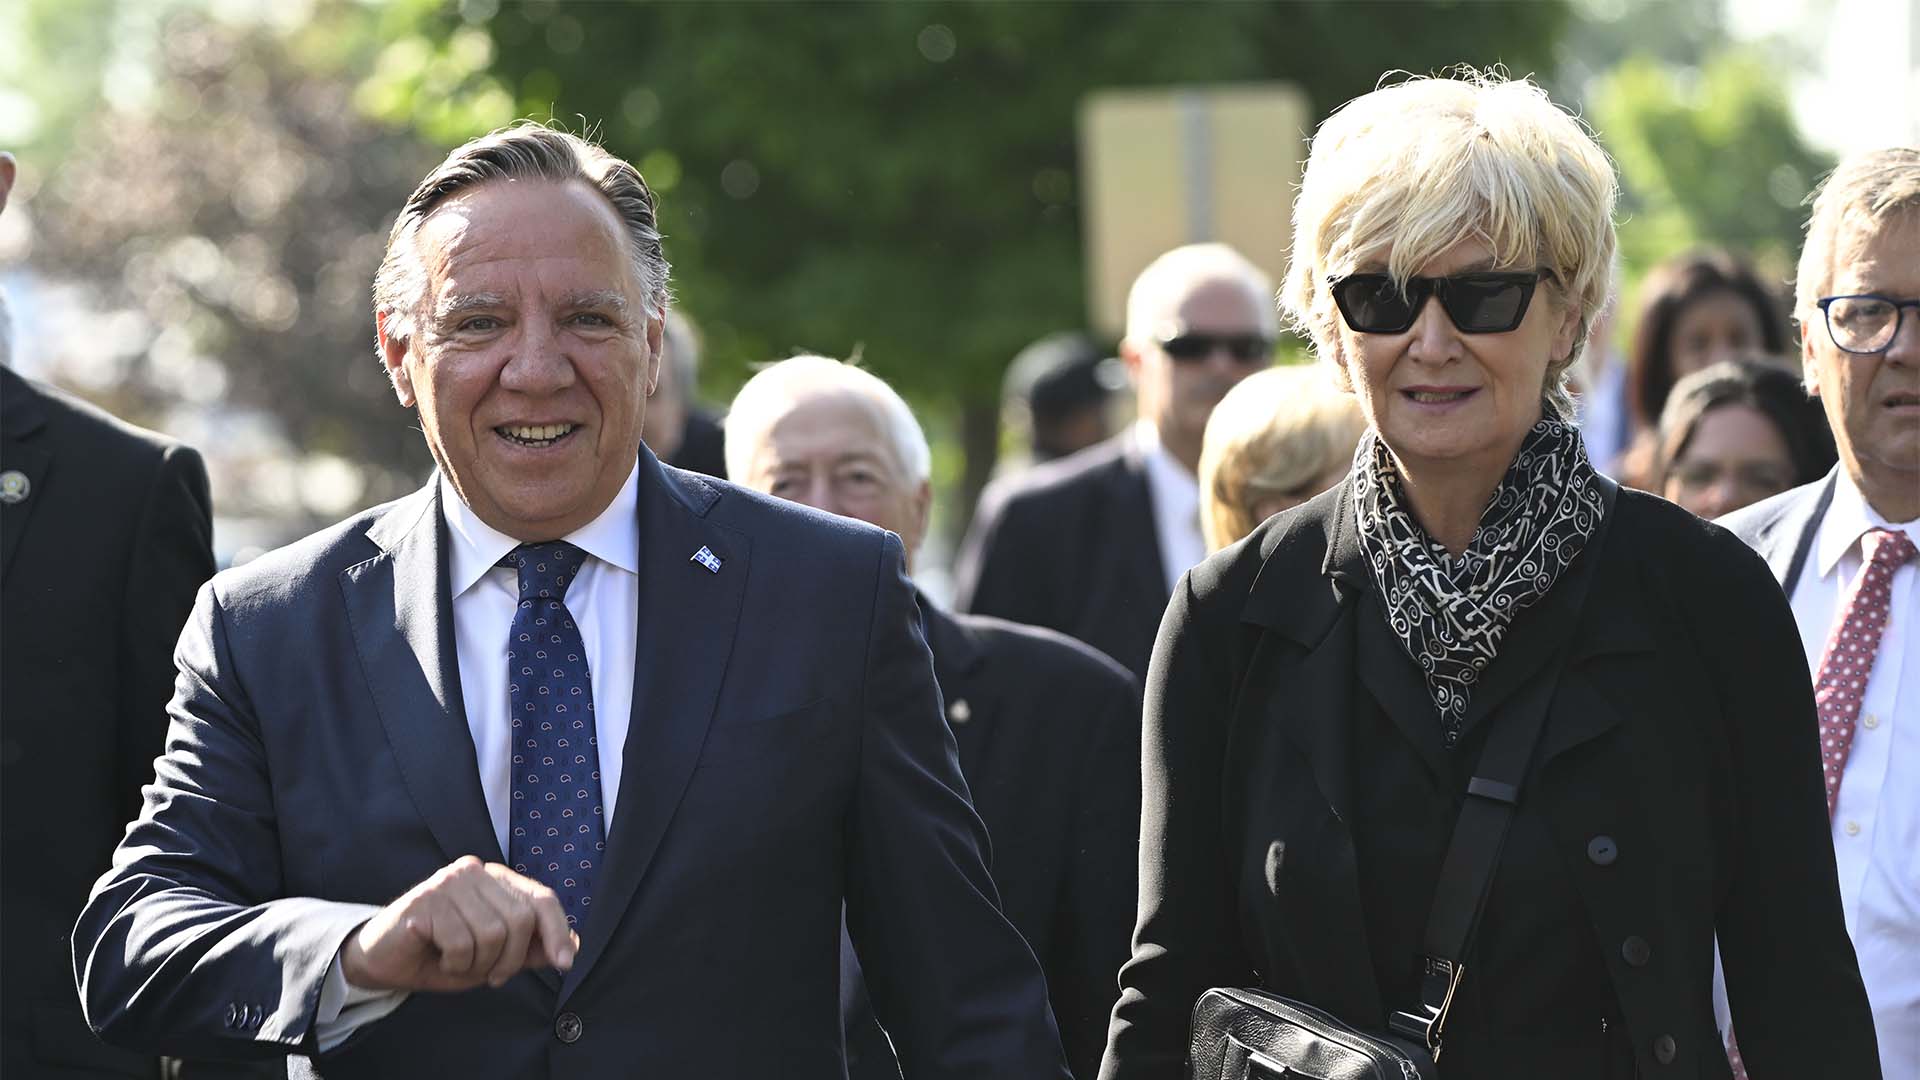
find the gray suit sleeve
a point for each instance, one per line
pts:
(186, 946)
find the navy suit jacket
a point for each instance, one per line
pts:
(787, 753)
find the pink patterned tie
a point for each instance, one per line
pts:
(1841, 681)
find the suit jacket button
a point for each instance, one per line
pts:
(1636, 951)
(1602, 850)
(233, 1015)
(1664, 1050)
(568, 1028)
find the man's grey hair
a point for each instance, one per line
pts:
(525, 151)
(1867, 189)
(774, 391)
(681, 342)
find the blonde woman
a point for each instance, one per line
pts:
(1277, 439)
(1320, 694)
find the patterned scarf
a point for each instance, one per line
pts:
(1450, 613)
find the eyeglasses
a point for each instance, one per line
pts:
(1865, 324)
(1191, 348)
(1489, 302)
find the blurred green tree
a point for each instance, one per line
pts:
(899, 179)
(1707, 156)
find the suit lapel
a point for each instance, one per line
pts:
(1138, 531)
(401, 610)
(957, 660)
(1786, 550)
(688, 619)
(20, 419)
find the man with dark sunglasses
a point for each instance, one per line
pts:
(1093, 544)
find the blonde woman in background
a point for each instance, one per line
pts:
(1276, 440)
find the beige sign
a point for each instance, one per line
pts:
(1171, 166)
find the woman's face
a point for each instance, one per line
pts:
(1718, 326)
(1444, 399)
(1735, 457)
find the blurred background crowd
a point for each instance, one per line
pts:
(205, 186)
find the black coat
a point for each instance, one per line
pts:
(1049, 738)
(1070, 545)
(1296, 809)
(101, 558)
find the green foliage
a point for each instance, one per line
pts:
(1707, 157)
(901, 179)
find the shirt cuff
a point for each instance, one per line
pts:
(346, 1008)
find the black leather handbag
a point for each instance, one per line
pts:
(1247, 1034)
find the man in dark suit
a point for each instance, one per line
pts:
(1844, 549)
(1091, 545)
(105, 533)
(1049, 730)
(570, 763)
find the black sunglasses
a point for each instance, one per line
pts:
(1485, 302)
(1193, 347)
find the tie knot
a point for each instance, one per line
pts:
(1886, 548)
(545, 569)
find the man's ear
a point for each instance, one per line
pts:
(1809, 371)
(393, 350)
(656, 330)
(1130, 356)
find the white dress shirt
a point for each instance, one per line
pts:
(604, 600)
(1175, 494)
(1876, 819)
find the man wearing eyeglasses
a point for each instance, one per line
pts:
(1092, 545)
(1844, 550)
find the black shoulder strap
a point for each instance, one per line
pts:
(1803, 545)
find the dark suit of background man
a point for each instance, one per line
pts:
(1049, 730)
(105, 533)
(1849, 542)
(595, 812)
(1091, 545)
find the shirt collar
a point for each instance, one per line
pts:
(1848, 518)
(613, 537)
(1165, 473)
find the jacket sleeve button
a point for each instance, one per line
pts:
(1602, 850)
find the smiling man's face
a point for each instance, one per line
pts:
(532, 355)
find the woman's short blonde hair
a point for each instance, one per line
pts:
(1400, 175)
(1275, 432)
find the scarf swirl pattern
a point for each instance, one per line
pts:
(1450, 614)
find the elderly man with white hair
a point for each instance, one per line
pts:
(1048, 729)
(1092, 545)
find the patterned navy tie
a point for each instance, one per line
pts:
(557, 832)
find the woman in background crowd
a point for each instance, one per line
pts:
(1738, 432)
(1696, 309)
(1276, 440)
(1320, 695)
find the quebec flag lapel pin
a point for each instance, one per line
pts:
(705, 557)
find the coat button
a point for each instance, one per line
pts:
(568, 1028)
(233, 1015)
(1664, 1050)
(1636, 951)
(1602, 850)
